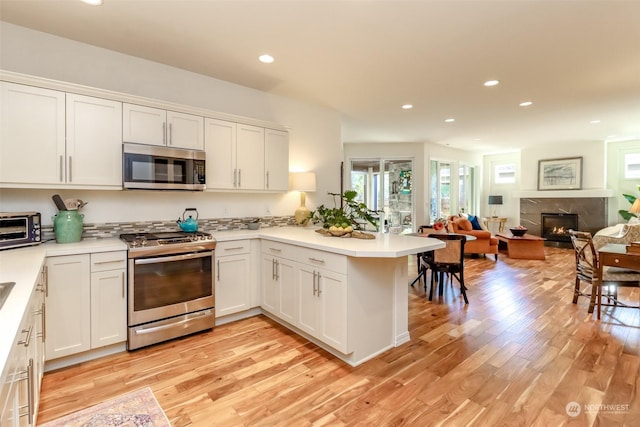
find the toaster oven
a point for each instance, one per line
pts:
(19, 229)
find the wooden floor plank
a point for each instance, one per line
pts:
(518, 354)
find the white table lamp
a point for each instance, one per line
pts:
(302, 182)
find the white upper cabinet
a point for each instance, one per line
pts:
(35, 124)
(154, 126)
(94, 141)
(276, 160)
(220, 146)
(32, 146)
(250, 157)
(245, 157)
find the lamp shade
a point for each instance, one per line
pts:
(635, 207)
(495, 200)
(302, 181)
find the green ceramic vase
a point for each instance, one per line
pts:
(67, 226)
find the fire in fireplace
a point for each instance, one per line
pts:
(556, 226)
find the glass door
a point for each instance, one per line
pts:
(386, 185)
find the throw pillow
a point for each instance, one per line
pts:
(464, 224)
(474, 222)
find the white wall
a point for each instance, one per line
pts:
(510, 205)
(315, 136)
(593, 163)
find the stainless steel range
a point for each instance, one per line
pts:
(171, 288)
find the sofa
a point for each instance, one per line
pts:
(484, 244)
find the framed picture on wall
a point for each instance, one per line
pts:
(560, 174)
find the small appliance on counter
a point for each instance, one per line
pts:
(19, 229)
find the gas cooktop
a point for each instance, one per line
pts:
(163, 243)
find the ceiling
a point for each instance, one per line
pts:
(578, 61)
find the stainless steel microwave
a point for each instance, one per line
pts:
(19, 229)
(151, 167)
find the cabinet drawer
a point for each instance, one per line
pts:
(104, 261)
(323, 259)
(279, 249)
(235, 247)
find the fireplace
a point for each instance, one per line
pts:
(556, 226)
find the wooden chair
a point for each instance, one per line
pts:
(448, 260)
(587, 270)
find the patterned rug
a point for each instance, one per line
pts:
(135, 409)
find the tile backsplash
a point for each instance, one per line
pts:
(114, 229)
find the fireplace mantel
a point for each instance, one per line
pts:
(563, 194)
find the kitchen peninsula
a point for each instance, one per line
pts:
(347, 295)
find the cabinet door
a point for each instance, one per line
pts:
(332, 297)
(232, 284)
(269, 285)
(144, 125)
(276, 157)
(220, 146)
(68, 314)
(94, 141)
(32, 147)
(308, 306)
(250, 157)
(185, 131)
(287, 295)
(108, 307)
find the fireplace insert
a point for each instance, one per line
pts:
(556, 226)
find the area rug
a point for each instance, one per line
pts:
(135, 409)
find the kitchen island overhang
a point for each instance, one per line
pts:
(376, 294)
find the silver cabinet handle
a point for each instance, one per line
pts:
(235, 248)
(277, 269)
(235, 179)
(267, 186)
(319, 290)
(27, 340)
(239, 177)
(273, 269)
(46, 281)
(61, 168)
(314, 282)
(164, 133)
(170, 133)
(30, 392)
(70, 168)
(321, 261)
(218, 268)
(123, 285)
(44, 322)
(275, 250)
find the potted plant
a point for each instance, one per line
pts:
(347, 216)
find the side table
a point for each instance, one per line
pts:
(500, 220)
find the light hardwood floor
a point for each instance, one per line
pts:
(517, 355)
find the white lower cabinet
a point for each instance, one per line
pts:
(309, 293)
(233, 277)
(86, 302)
(20, 393)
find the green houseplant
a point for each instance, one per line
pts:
(349, 213)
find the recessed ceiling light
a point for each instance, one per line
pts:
(489, 83)
(267, 59)
(93, 2)
(407, 106)
(594, 122)
(526, 103)
(450, 120)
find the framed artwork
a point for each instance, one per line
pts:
(405, 182)
(560, 174)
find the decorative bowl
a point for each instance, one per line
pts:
(518, 232)
(253, 225)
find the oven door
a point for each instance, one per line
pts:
(167, 286)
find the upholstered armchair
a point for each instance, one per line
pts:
(484, 243)
(620, 233)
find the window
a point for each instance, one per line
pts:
(505, 174)
(440, 206)
(632, 166)
(466, 189)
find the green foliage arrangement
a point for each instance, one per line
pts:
(625, 214)
(351, 214)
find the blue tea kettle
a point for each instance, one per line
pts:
(189, 225)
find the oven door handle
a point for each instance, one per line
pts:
(188, 318)
(174, 258)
